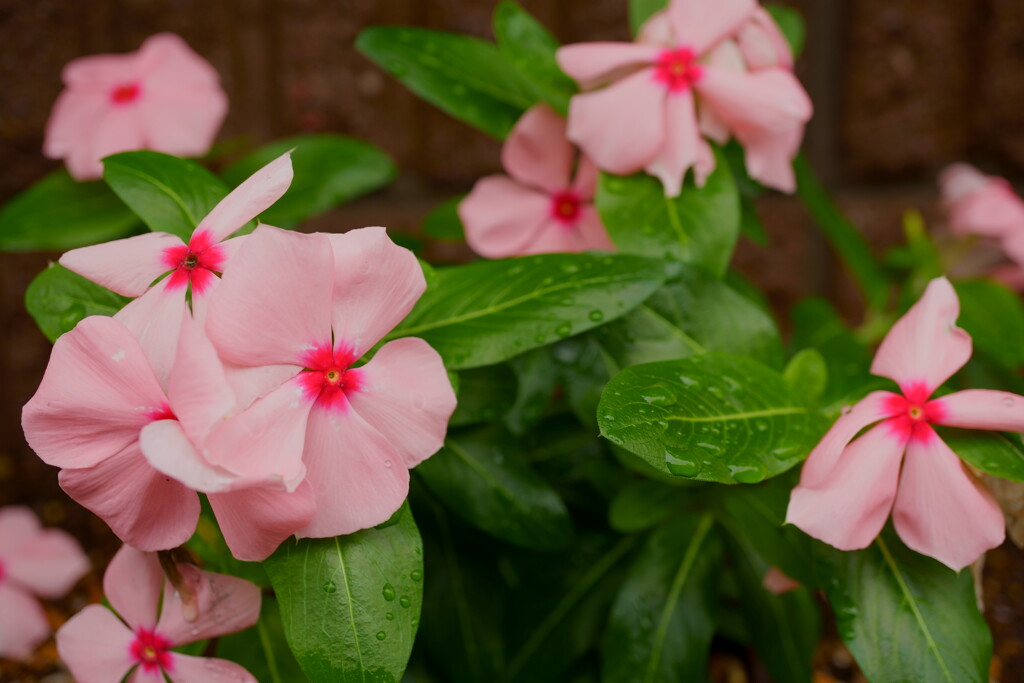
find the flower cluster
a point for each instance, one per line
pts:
(253, 394)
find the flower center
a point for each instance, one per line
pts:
(565, 207)
(125, 93)
(328, 378)
(150, 650)
(912, 414)
(677, 69)
(190, 261)
(2, 572)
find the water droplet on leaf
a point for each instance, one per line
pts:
(330, 587)
(404, 601)
(388, 592)
(381, 635)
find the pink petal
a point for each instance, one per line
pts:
(96, 646)
(100, 73)
(769, 158)
(254, 196)
(198, 389)
(188, 669)
(849, 507)
(621, 127)
(358, 477)
(252, 382)
(536, 152)
(699, 25)
(501, 217)
(405, 395)
(167, 60)
(119, 131)
(994, 210)
(127, 266)
(133, 583)
(256, 520)
(274, 302)
(227, 604)
(754, 104)
(23, 624)
(376, 284)
(183, 120)
(778, 582)
(592, 233)
(679, 151)
(585, 182)
(155, 319)
(48, 564)
(982, 409)
(18, 526)
(142, 506)
(925, 346)
(763, 44)
(96, 394)
(941, 511)
(73, 114)
(960, 180)
(711, 126)
(826, 454)
(592, 64)
(168, 450)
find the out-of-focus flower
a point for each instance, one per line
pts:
(33, 561)
(700, 68)
(848, 486)
(543, 207)
(778, 582)
(164, 97)
(99, 646)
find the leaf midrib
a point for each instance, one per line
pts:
(351, 611)
(730, 417)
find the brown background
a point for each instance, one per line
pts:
(901, 88)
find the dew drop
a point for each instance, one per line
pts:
(596, 316)
(659, 396)
(1008, 401)
(569, 268)
(682, 464)
(387, 463)
(416, 575)
(404, 601)
(389, 616)
(747, 471)
(388, 592)
(381, 635)
(540, 339)
(563, 330)
(330, 587)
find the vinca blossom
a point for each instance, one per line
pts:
(849, 485)
(699, 69)
(100, 646)
(33, 562)
(164, 97)
(542, 207)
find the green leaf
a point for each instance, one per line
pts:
(169, 194)
(58, 213)
(58, 299)
(583, 370)
(336, 596)
(791, 23)
(468, 78)
(329, 171)
(994, 317)
(485, 394)
(750, 223)
(641, 10)
(644, 336)
(807, 374)
(712, 417)
(490, 311)
(485, 480)
(906, 617)
(1001, 455)
(262, 649)
(443, 222)
(664, 617)
(699, 226)
(531, 48)
(643, 504)
(535, 388)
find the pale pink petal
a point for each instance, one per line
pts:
(133, 583)
(274, 303)
(1013, 246)
(96, 394)
(679, 151)
(826, 454)
(981, 409)
(48, 564)
(143, 507)
(705, 164)
(958, 181)
(1009, 275)
(501, 217)
(188, 669)
(100, 73)
(23, 624)
(252, 382)
(18, 526)
(73, 113)
(376, 284)
(699, 24)
(657, 30)
(585, 182)
(940, 510)
(167, 60)
(590, 64)
(848, 508)
(155, 320)
(96, 646)
(198, 389)
(119, 131)
(711, 126)
(128, 267)
(256, 520)
(143, 675)
(994, 210)
(182, 121)
(254, 196)
(168, 450)
(536, 152)
(553, 237)
(769, 158)
(358, 477)
(925, 347)
(226, 604)
(591, 231)
(778, 582)
(763, 44)
(754, 104)
(621, 127)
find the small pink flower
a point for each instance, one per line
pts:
(33, 561)
(164, 97)
(980, 204)
(848, 486)
(542, 208)
(699, 69)
(778, 582)
(99, 646)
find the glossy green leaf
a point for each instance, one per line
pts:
(329, 171)
(169, 194)
(712, 417)
(807, 373)
(485, 394)
(58, 213)
(262, 649)
(700, 226)
(643, 336)
(1001, 455)
(443, 222)
(584, 369)
(485, 480)
(906, 617)
(641, 10)
(663, 619)
(531, 48)
(336, 595)
(57, 299)
(642, 504)
(791, 23)
(535, 388)
(994, 317)
(751, 226)
(490, 311)
(468, 78)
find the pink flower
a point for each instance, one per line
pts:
(778, 582)
(711, 68)
(541, 208)
(980, 204)
(99, 646)
(33, 561)
(164, 97)
(302, 309)
(848, 486)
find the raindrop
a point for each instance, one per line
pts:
(540, 339)
(387, 463)
(1008, 401)
(381, 635)
(389, 616)
(596, 316)
(404, 601)
(563, 330)
(747, 471)
(330, 587)
(388, 592)
(569, 268)
(683, 465)
(687, 381)
(515, 270)
(659, 396)
(761, 425)
(710, 448)
(416, 575)
(567, 301)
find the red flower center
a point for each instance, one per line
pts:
(2, 572)
(565, 207)
(328, 379)
(677, 69)
(195, 263)
(912, 414)
(125, 93)
(151, 650)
